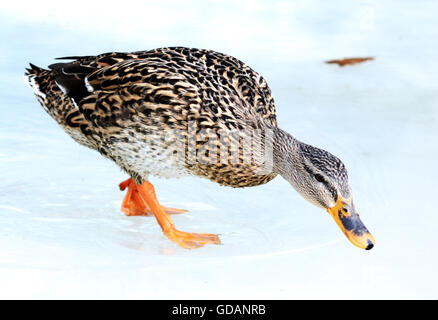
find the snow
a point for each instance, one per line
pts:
(62, 234)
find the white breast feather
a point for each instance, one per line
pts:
(146, 158)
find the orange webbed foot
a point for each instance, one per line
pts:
(133, 205)
(145, 199)
(192, 240)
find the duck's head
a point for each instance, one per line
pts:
(322, 179)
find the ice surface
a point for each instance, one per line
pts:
(62, 234)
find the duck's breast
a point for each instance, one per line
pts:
(152, 153)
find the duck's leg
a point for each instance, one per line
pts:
(134, 206)
(186, 240)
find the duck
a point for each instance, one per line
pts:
(176, 111)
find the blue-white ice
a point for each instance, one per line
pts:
(62, 234)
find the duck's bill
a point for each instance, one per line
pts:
(348, 220)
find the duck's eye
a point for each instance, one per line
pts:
(319, 177)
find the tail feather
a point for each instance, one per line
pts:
(48, 93)
(32, 78)
(58, 104)
(33, 69)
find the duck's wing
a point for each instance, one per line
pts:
(71, 76)
(213, 72)
(112, 88)
(130, 93)
(63, 90)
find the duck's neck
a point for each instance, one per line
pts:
(285, 153)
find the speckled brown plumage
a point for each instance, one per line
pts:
(123, 105)
(176, 111)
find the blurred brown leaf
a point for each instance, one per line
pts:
(349, 61)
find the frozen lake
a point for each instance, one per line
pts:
(62, 234)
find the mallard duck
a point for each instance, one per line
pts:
(172, 112)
